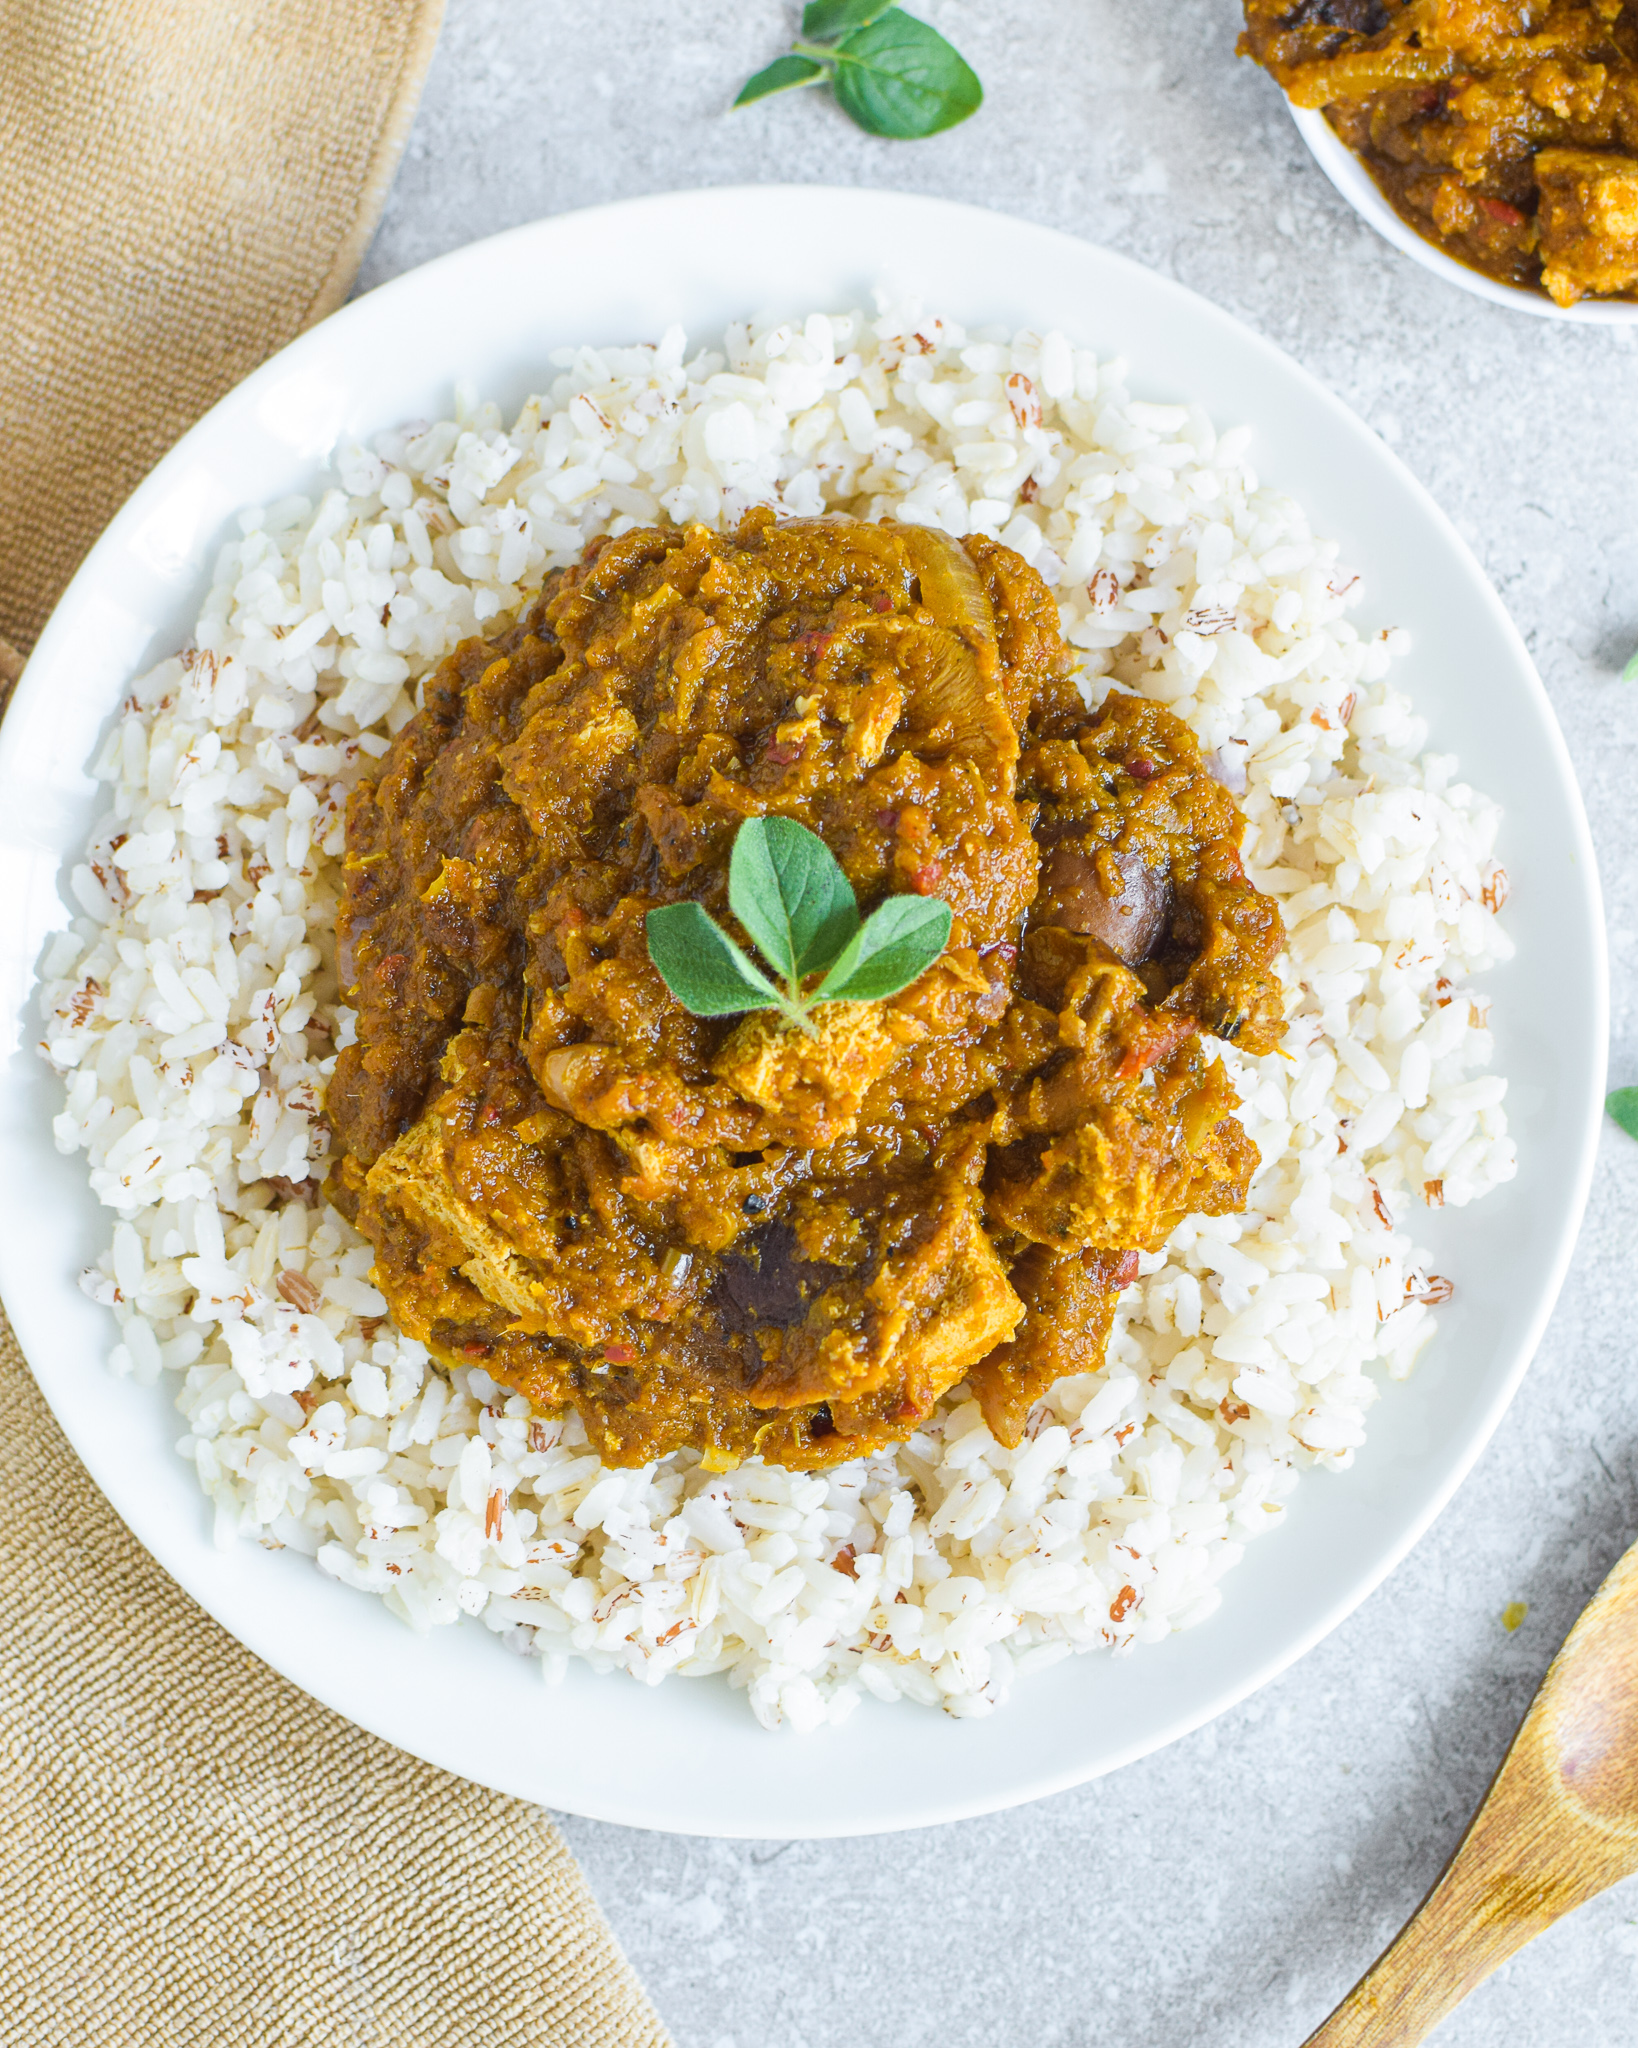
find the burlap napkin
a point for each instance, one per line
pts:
(184, 186)
(191, 1852)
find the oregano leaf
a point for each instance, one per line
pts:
(894, 946)
(788, 890)
(1623, 1107)
(701, 965)
(823, 20)
(898, 77)
(781, 75)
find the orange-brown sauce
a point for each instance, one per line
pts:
(721, 1233)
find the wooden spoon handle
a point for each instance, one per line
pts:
(1446, 1949)
(1559, 1824)
(1527, 1859)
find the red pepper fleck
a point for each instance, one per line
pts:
(1140, 768)
(619, 1354)
(925, 880)
(1163, 1036)
(1126, 1269)
(475, 1347)
(1001, 949)
(392, 966)
(887, 820)
(782, 753)
(881, 602)
(1498, 209)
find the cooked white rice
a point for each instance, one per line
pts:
(192, 1013)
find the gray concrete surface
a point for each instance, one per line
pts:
(1226, 1891)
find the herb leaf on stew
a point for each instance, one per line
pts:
(903, 939)
(789, 892)
(892, 72)
(702, 966)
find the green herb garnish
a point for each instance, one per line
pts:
(1630, 673)
(1623, 1107)
(788, 890)
(893, 73)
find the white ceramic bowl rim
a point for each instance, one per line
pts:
(1365, 196)
(689, 1757)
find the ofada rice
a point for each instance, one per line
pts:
(192, 1013)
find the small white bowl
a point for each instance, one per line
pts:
(1364, 195)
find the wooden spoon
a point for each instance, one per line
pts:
(1558, 1825)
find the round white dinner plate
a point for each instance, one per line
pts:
(1366, 197)
(688, 1755)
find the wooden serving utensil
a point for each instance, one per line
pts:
(1558, 1825)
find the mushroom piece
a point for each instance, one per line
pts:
(1131, 922)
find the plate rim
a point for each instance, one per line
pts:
(1360, 1583)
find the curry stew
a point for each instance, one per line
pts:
(723, 1233)
(1504, 131)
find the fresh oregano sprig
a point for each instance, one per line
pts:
(892, 72)
(788, 890)
(1623, 1107)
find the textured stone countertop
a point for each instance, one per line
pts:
(1229, 1889)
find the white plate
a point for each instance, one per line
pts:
(1365, 196)
(689, 1756)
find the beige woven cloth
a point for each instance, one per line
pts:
(192, 1853)
(195, 1854)
(184, 186)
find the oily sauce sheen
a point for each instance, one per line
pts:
(720, 1233)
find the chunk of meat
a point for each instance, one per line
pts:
(569, 756)
(811, 1090)
(1144, 857)
(1069, 1305)
(936, 1305)
(1127, 1166)
(1589, 222)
